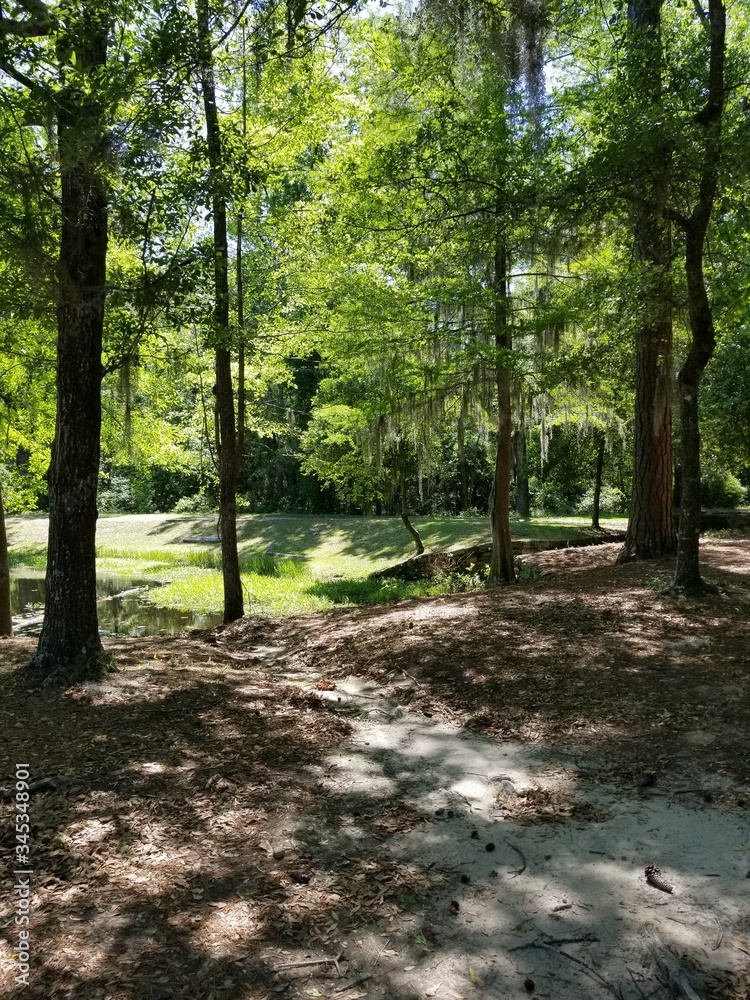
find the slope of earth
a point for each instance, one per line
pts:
(452, 797)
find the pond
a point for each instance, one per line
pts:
(122, 608)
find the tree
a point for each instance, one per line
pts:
(650, 526)
(73, 44)
(703, 338)
(229, 456)
(6, 618)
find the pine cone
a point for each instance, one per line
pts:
(654, 878)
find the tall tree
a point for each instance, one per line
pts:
(73, 42)
(702, 333)
(651, 530)
(502, 569)
(6, 618)
(224, 391)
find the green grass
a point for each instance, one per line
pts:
(333, 556)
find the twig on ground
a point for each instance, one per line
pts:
(645, 996)
(592, 973)
(357, 982)
(512, 872)
(313, 961)
(379, 955)
(679, 980)
(538, 943)
(721, 935)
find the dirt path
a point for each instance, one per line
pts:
(229, 806)
(540, 875)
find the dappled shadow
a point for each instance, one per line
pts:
(153, 870)
(216, 823)
(591, 660)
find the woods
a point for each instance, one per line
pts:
(470, 271)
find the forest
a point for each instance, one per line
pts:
(361, 259)
(290, 291)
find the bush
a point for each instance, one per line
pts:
(198, 503)
(120, 494)
(549, 498)
(720, 488)
(611, 502)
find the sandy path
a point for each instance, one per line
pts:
(574, 922)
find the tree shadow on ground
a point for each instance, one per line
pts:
(202, 840)
(203, 835)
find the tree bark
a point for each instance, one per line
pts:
(6, 618)
(502, 569)
(598, 479)
(703, 337)
(523, 500)
(241, 402)
(225, 417)
(404, 509)
(461, 454)
(651, 527)
(70, 647)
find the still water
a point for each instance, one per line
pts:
(122, 608)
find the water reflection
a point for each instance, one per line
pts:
(122, 609)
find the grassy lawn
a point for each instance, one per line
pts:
(332, 556)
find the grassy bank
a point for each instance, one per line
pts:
(317, 563)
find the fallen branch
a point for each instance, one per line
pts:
(42, 785)
(313, 961)
(513, 872)
(123, 593)
(538, 943)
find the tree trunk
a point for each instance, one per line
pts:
(70, 648)
(501, 563)
(650, 527)
(461, 452)
(703, 339)
(6, 618)
(227, 431)
(598, 480)
(404, 509)
(523, 501)
(241, 403)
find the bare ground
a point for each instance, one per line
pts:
(283, 791)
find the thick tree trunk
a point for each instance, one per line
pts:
(703, 338)
(404, 508)
(501, 563)
(651, 528)
(598, 479)
(6, 618)
(523, 500)
(225, 417)
(69, 647)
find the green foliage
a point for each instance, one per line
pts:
(721, 488)
(334, 452)
(195, 503)
(375, 174)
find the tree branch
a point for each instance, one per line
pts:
(21, 78)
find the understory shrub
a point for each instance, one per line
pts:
(720, 488)
(196, 503)
(611, 502)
